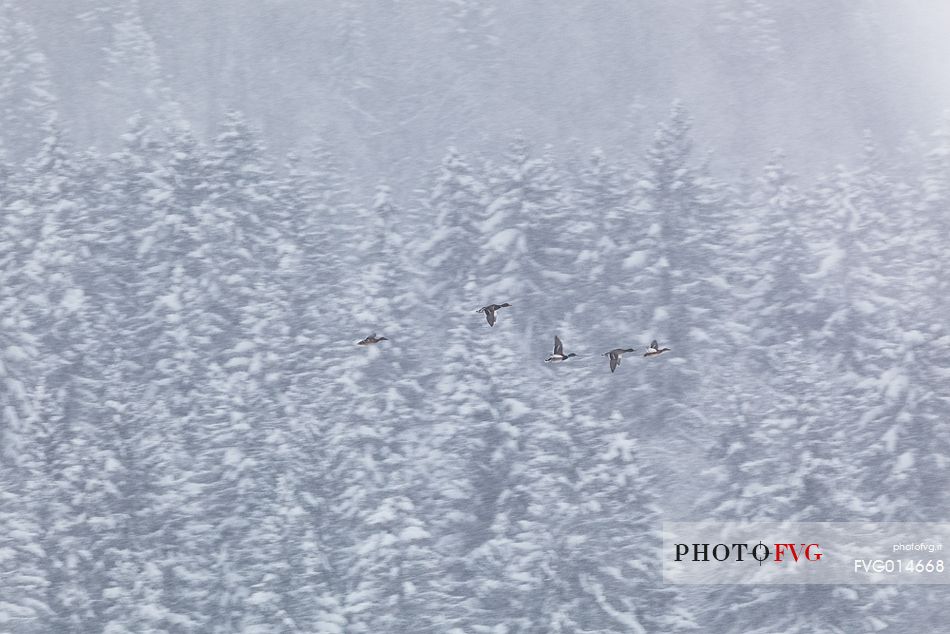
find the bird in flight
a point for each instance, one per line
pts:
(558, 354)
(490, 311)
(654, 349)
(372, 339)
(615, 356)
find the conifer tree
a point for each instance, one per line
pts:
(134, 80)
(682, 257)
(606, 238)
(27, 99)
(776, 257)
(449, 254)
(524, 196)
(21, 370)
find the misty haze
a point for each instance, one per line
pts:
(280, 283)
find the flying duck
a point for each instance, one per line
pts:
(654, 349)
(615, 356)
(371, 340)
(559, 355)
(490, 311)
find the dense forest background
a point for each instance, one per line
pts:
(389, 84)
(191, 441)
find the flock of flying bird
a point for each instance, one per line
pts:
(557, 356)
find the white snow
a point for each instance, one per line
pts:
(233, 456)
(73, 299)
(506, 240)
(620, 445)
(719, 282)
(15, 353)
(258, 598)
(894, 383)
(904, 462)
(833, 255)
(516, 408)
(172, 301)
(411, 533)
(244, 346)
(890, 439)
(635, 260)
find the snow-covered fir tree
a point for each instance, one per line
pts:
(192, 441)
(133, 78)
(27, 96)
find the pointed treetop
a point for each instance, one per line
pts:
(672, 144)
(382, 200)
(519, 150)
(775, 174)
